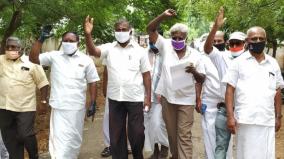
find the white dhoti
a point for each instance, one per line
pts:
(106, 124)
(255, 141)
(208, 127)
(155, 129)
(66, 132)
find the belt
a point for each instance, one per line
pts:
(221, 105)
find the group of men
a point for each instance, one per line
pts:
(237, 91)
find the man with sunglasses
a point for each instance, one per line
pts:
(19, 79)
(177, 99)
(222, 60)
(253, 99)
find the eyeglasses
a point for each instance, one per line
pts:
(233, 43)
(255, 39)
(178, 38)
(12, 47)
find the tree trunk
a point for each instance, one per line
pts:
(14, 24)
(274, 48)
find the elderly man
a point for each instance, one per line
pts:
(181, 63)
(18, 81)
(253, 99)
(71, 71)
(222, 60)
(128, 76)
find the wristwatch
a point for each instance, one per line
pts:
(279, 116)
(43, 101)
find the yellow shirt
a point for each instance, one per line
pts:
(18, 82)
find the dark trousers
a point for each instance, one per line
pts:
(118, 113)
(17, 130)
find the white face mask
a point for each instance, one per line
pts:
(122, 37)
(12, 55)
(69, 48)
(237, 53)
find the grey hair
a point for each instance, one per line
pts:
(120, 21)
(15, 39)
(179, 27)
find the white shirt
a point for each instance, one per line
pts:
(184, 96)
(255, 88)
(211, 86)
(125, 67)
(69, 77)
(222, 60)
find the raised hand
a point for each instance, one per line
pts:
(88, 25)
(220, 20)
(169, 13)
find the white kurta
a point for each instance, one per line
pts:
(66, 136)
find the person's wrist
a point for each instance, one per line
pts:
(279, 116)
(43, 101)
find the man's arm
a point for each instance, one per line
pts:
(105, 81)
(277, 106)
(34, 54)
(153, 25)
(199, 77)
(147, 85)
(219, 21)
(229, 99)
(198, 88)
(88, 27)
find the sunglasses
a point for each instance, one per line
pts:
(233, 43)
(12, 47)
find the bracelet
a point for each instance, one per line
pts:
(43, 101)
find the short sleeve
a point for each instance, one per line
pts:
(39, 76)
(104, 50)
(144, 62)
(200, 65)
(279, 78)
(45, 58)
(91, 72)
(232, 75)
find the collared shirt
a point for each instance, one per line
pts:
(211, 86)
(125, 67)
(18, 82)
(183, 96)
(255, 88)
(69, 76)
(222, 60)
(156, 63)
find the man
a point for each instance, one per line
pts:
(71, 71)
(211, 96)
(253, 99)
(128, 70)
(154, 123)
(222, 60)
(180, 64)
(18, 81)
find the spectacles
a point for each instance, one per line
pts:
(12, 47)
(255, 39)
(233, 43)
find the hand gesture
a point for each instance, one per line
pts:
(232, 124)
(45, 33)
(169, 13)
(220, 20)
(190, 68)
(88, 25)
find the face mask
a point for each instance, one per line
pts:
(122, 37)
(237, 53)
(220, 47)
(12, 55)
(257, 47)
(69, 48)
(178, 45)
(154, 49)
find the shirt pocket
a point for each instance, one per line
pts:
(272, 81)
(24, 75)
(134, 64)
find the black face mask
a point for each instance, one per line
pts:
(257, 47)
(153, 48)
(220, 47)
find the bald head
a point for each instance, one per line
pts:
(256, 30)
(219, 38)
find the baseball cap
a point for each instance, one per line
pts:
(238, 36)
